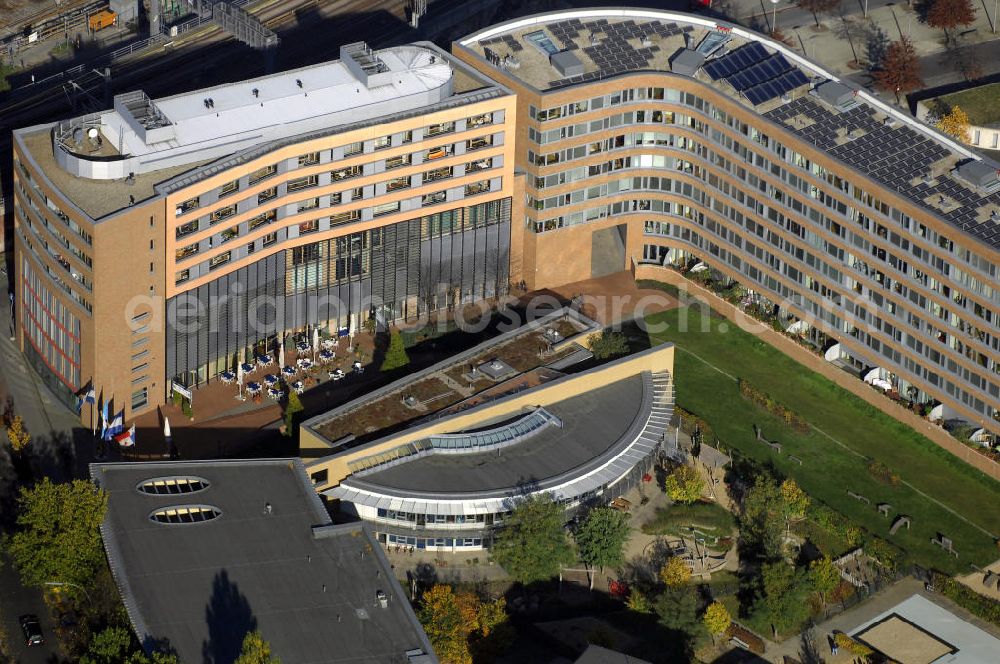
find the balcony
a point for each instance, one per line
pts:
(262, 174)
(303, 183)
(440, 128)
(267, 195)
(262, 220)
(398, 161)
(229, 234)
(438, 174)
(433, 199)
(220, 260)
(479, 165)
(479, 120)
(396, 184)
(478, 143)
(222, 213)
(345, 173)
(477, 188)
(187, 229)
(184, 252)
(438, 153)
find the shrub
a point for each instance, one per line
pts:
(763, 400)
(855, 647)
(979, 605)
(395, 355)
(684, 485)
(608, 344)
(883, 473)
(292, 408)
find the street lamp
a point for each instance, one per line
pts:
(774, 16)
(73, 585)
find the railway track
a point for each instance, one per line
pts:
(172, 66)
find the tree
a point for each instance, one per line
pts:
(532, 544)
(675, 573)
(395, 355)
(460, 625)
(115, 645)
(58, 536)
(762, 520)
(782, 596)
(677, 609)
(18, 435)
(824, 577)
(684, 484)
(256, 650)
(900, 68)
(955, 123)
(816, 7)
(949, 14)
(601, 538)
(639, 602)
(293, 406)
(608, 344)
(794, 501)
(716, 618)
(876, 45)
(110, 646)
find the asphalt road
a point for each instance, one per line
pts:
(15, 601)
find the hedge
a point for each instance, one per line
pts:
(792, 419)
(967, 598)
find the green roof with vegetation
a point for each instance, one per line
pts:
(981, 104)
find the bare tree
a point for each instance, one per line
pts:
(817, 7)
(900, 69)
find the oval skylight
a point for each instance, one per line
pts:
(184, 514)
(171, 486)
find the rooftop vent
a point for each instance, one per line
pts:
(837, 95)
(145, 118)
(980, 174)
(686, 62)
(166, 486)
(566, 63)
(364, 64)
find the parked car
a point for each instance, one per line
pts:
(32, 630)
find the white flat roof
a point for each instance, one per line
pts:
(218, 121)
(973, 645)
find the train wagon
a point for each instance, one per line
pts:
(102, 19)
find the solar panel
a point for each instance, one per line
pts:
(742, 58)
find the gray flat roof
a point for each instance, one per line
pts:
(308, 586)
(592, 423)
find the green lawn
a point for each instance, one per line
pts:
(829, 470)
(981, 104)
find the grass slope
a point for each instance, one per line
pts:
(828, 470)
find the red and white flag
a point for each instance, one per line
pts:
(126, 438)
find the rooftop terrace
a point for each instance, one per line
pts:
(866, 134)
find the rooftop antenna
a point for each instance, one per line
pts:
(256, 92)
(298, 82)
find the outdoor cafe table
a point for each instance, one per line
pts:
(327, 355)
(298, 387)
(288, 371)
(303, 347)
(304, 363)
(227, 376)
(264, 360)
(275, 393)
(329, 344)
(253, 388)
(248, 368)
(270, 380)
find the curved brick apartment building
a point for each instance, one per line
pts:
(666, 139)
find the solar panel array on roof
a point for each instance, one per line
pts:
(776, 87)
(736, 60)
(771, 67)
(613, 53)
(896, 157)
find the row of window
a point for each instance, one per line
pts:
(353, 149)
(786, 154)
